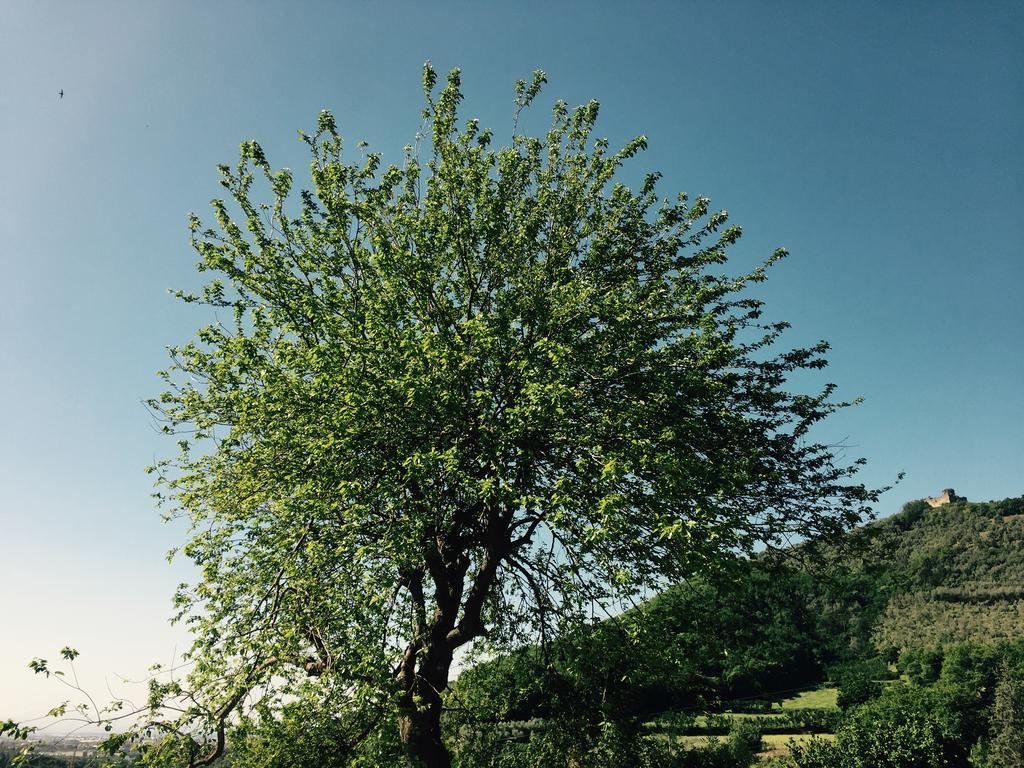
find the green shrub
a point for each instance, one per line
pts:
(555, 744)
(744, 742)
(921, 665)
(804, 720)
(818, 753)
(857, 689)
(739, 750)
(906, 727)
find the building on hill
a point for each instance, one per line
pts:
(948, 496)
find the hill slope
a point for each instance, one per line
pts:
(950, 574)
(924, 578)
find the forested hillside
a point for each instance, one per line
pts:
(921, 580)
(951, 574)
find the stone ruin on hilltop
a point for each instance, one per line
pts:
(948, 496)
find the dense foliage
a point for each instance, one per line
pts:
(462, 402)
(961, 578)
(789, 623)
(970, 714)
(694, 646)
(914, 583)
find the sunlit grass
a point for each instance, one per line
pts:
(820, 698)
(780, 740)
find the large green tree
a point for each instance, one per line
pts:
(462, 401)
(1006, 749)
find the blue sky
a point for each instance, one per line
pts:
(881, 143)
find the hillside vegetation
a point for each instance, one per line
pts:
(951, 574)
(930, 596)
(921, 579)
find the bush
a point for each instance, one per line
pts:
(906, 727)
(857, 689)
(921, 665)
(744, 742)
(749, 706)
(911, 513)
(804, 720)
(818, 753)
(557, 743)
(738, 751)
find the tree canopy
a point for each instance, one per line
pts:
(464, 401)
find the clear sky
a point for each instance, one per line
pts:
(880, 142)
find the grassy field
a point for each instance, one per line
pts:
(775, 741)
(821, 698)
(777, 744)
(772, 741)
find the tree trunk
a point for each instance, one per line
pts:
(419, 725)
(420, 732)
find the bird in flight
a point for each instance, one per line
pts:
(61, 93)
